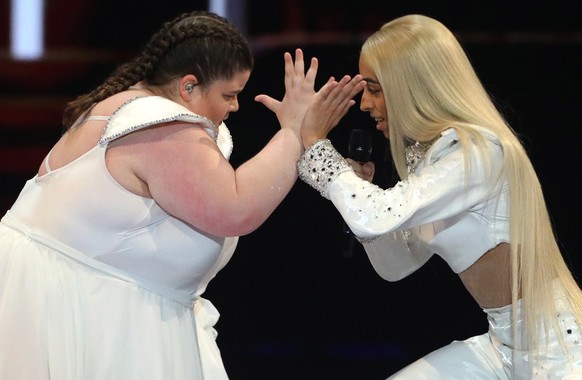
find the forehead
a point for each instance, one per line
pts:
(367, 73)
(236, 83)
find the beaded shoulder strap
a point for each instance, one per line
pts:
(145, 111)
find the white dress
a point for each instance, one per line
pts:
(97, 283)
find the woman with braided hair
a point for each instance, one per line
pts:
(107, 250)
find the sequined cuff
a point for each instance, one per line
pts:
(320, 164)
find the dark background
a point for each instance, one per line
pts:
(294, 303)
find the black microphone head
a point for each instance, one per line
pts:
(360, 145)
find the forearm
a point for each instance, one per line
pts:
(264, 181)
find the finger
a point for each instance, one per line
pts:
(346, 90)
(299, 63)
(332, 95)
(312, 72)
(341, 112)
(357, 84)
(268, 102)
(369, 168)
(355, 165)
(326, 89)
(341, 94)
(289, 73)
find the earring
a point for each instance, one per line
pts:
(189, 87)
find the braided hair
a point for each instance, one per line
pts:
(199, 43)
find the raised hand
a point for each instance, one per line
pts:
(299, 92)
(329, 105)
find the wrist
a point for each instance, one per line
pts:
(293, 138)
(320, 164)
(310, 140)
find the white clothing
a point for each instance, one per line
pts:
(494, 355)
(98, 283)
(437, 208)
(432, 211)
(442, 208)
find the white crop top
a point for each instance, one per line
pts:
(436, 210)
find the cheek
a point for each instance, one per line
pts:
(381, 106)
(215, 105)
(219, 111)
(222, 110)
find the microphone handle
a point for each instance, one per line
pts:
(360, 150)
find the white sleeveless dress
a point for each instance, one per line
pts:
(97, 283)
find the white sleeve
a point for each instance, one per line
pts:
(436, 192)
(394, 224)
(395, 255)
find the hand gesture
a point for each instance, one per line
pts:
(299, 91)
(329, 105)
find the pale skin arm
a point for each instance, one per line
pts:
(187, 175)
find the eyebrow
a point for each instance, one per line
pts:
(368, 80)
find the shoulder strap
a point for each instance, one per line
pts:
(98, 118)
(142, 112)
(46, 162)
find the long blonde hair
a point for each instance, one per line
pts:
(429, 85)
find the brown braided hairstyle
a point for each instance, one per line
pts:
(200, 43)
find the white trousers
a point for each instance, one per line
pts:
(492, 356)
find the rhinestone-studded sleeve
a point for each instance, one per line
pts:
(320, 165)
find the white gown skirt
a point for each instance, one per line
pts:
(61, 319)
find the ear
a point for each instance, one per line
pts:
(187, 85)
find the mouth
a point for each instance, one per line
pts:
(380, 122)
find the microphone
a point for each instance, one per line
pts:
(360, 150)
(360, 145)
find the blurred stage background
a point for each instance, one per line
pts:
(294, 303)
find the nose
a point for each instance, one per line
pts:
(365, 104)
(234, 106)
